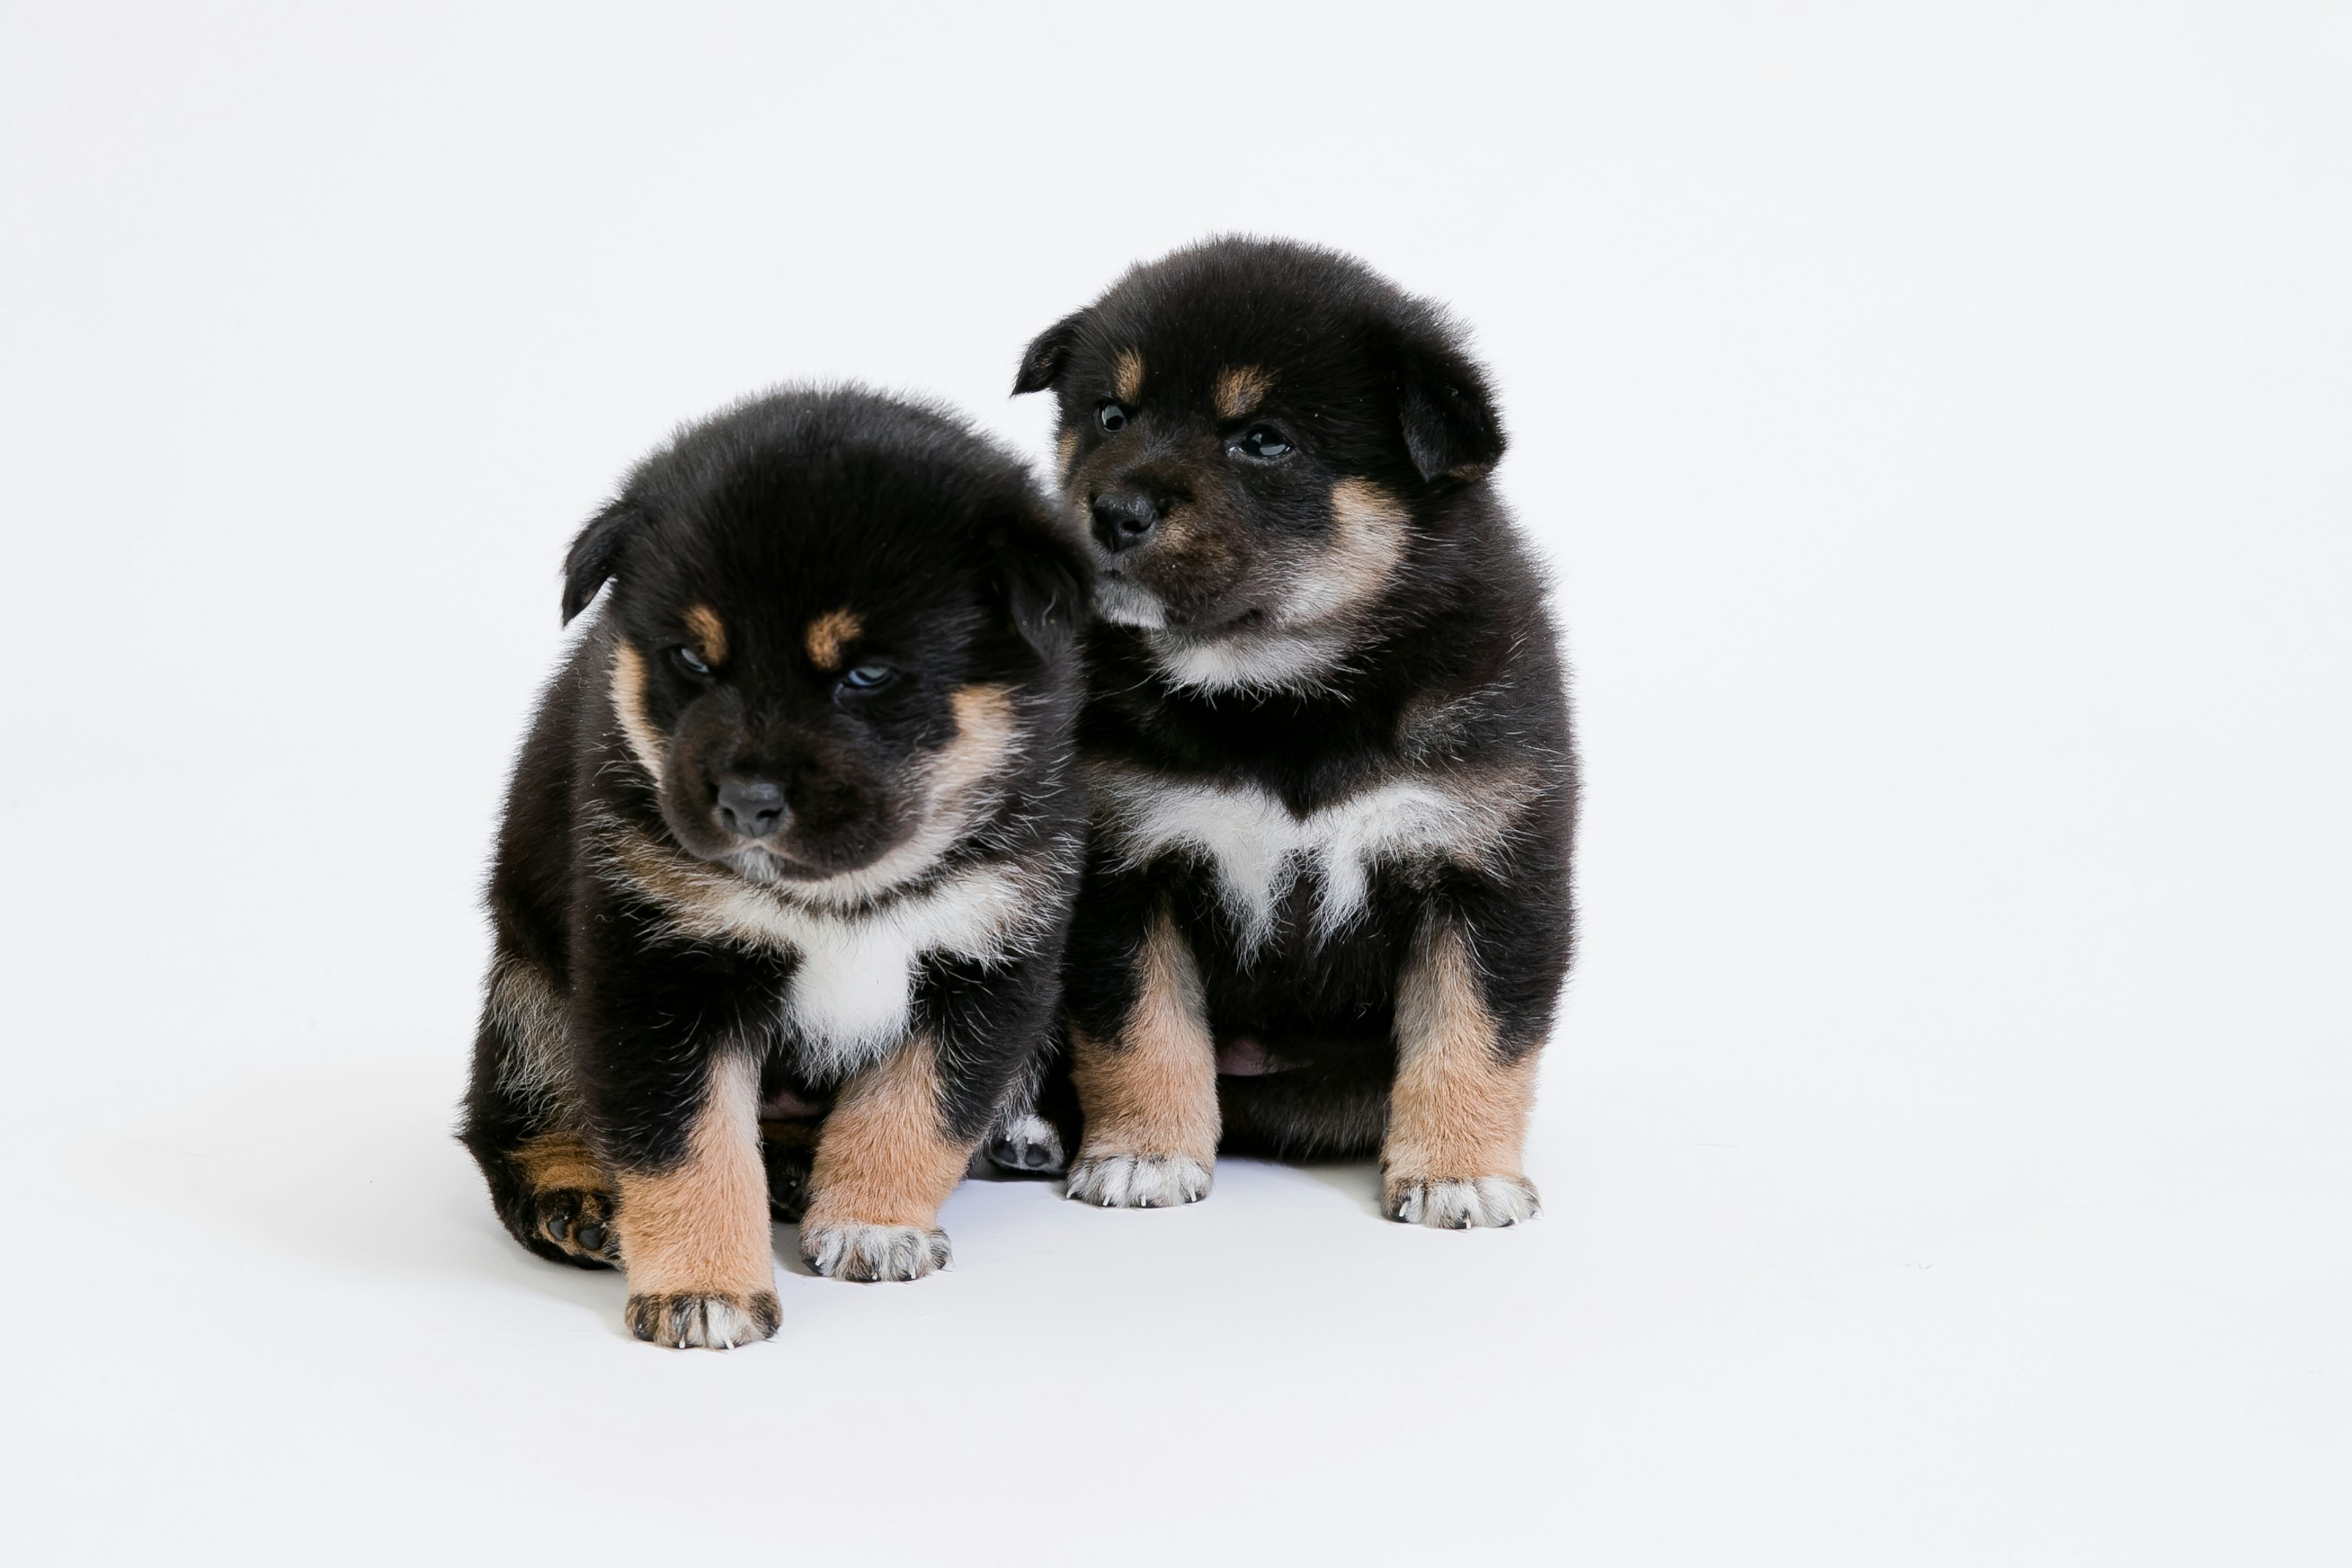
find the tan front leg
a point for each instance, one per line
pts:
(1458, 1112)
(884, 1162)
(1150, 1096)
(694, 1239)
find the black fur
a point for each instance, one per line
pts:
(769, 517)
(1450, 669)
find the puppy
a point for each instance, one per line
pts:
(793, 834)
(1326, 908)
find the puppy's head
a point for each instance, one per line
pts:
(1251, 434)
(834, 618)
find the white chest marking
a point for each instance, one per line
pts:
(850, 993)
(1258, 845)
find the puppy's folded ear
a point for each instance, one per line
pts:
(1448, 411)
(1047, 580)
(595, 555)
(1041, 363)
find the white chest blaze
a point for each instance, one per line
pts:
(852, 990)
(1258, 846)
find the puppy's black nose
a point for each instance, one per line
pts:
(751, 808)
(1124, 519)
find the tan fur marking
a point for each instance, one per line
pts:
(629, 708)
(884, 1158)
(1368, 545)
(1156, 1092)
(1127, 375)
(829, 634)
(1240, 390)
(1458, 1111)
(708, 632)
(561, 1162)
(984, 733)
(1065, 450)
(702, 1227)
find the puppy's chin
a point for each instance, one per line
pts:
(760, 863)
(1123, 603)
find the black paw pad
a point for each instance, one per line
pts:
(579, 1227)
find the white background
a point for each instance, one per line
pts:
(1937, 421)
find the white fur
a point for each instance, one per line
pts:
(1138, 1180)
(1463, 1205)
(848, 999)
(876, 1251)
(1258, 845)
(1123, 603)
(1250, 661)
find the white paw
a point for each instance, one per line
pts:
(1460, 1205)
(1138, 1180)
(1026, 1143)
(871, 1252)
(717, 1322)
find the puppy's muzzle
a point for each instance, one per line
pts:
(1125, 518)
(751, 807)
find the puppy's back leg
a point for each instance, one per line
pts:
(1025, 1141)
(547, 1186)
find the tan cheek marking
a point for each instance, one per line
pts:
(561, 1162)
(708, 632)
(884, 1157)
(1240, 390)
(1066, 449)
(1154, 1092)
(1127, 375)
(1367, 546)
(1458, 1109)
(629, 708)
(702, 1227)
(829, 634)
(984, 729)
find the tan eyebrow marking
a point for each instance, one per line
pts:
(709, 634)
(829, 634)
(1127, 375)
(1240, 390)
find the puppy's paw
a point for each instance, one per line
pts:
(870, 1252)
(716, 1320)
(578, 1225)
(1458, 1204)
(1138, 1180)
(1027, 1145)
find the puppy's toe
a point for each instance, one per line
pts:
(1459, 1204)
(1027, 1146)
(871, 1252)
(1138, 1180)
(579, 1225)
(713, 1320)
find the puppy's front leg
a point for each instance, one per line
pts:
(1458, 1113)
(884, 1162)
(694, 1231)
(1150, 1092)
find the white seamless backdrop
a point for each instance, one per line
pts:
(1936, 421)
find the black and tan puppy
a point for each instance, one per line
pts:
(794, 833)
(1326, 907)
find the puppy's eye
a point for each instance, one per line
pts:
(868, 677)
(1110, 415)
(1264, 442)
(689, 660)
